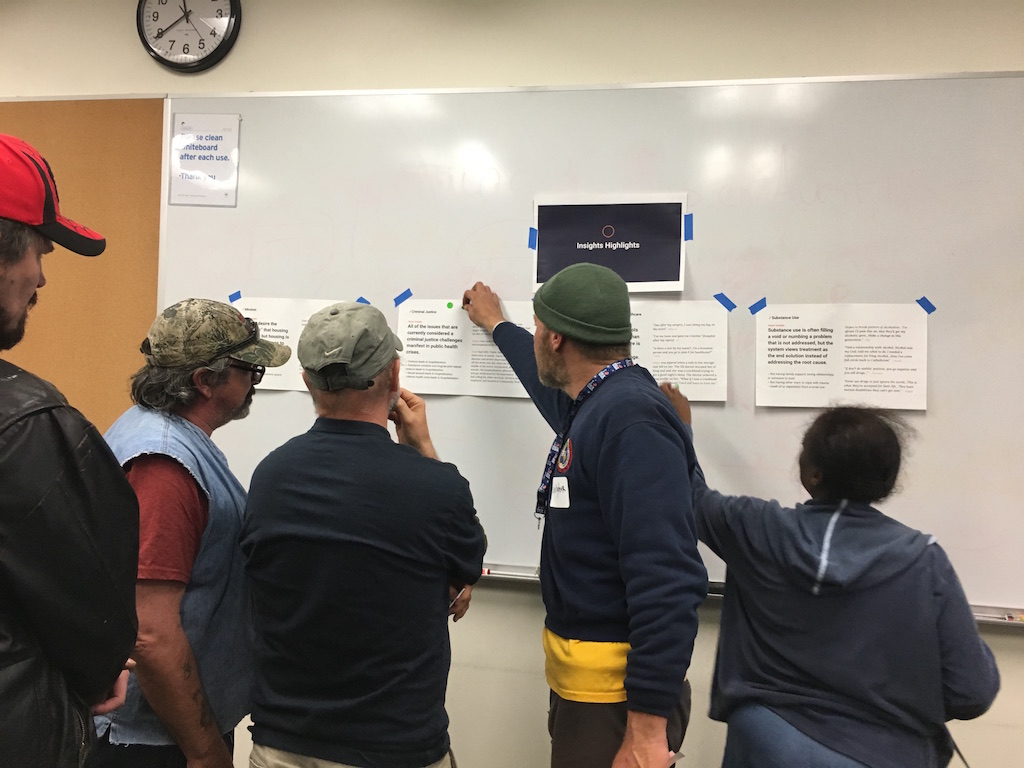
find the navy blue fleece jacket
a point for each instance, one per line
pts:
(620, 563)
(848, 624)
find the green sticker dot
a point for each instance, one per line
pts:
(450, 305)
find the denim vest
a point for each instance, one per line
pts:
(215, 610)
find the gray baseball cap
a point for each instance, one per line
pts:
(345, 345)
(199, 331)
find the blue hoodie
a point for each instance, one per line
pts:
(846, 623)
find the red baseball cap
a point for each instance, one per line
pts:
(28, 194)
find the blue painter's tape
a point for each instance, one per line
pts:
(533, 238)
(757, 306)
(235, 296)
(688, 227)
(926, 305)
(725, 301)
(361, 300)
(406, 294)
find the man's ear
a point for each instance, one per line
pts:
(557, 341)
(395, 385)
(201, 379)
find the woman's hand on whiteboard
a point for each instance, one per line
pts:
(410, 417)
(483, 306)
(679, 401)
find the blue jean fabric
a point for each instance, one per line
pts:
(759, 738)
(215, 611)
(107, 755)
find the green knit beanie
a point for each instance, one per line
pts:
(586, 302)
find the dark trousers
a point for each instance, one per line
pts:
(107, 755)
(585, 735)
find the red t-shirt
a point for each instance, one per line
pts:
(173, 512)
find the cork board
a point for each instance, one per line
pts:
(84, 333)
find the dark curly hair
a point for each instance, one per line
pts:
(857, 450)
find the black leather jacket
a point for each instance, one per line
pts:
(69, 548)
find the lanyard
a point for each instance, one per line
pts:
(556, 447)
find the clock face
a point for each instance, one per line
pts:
(189, 35)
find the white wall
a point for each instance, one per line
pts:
(497, 696)
(71, 47)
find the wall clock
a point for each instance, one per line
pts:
(189, 35)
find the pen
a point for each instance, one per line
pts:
(456, 597)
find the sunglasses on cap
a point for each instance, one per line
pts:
(252, 336)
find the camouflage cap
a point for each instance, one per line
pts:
(199, 331)
(345, 345)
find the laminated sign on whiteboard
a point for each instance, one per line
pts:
(640, 237)
(204, 160)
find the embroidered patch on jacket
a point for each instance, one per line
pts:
(565, 457)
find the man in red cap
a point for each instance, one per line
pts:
(69, 520)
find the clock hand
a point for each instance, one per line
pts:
(165, 30)
(188, 17)
(194, 26)
(213, 29)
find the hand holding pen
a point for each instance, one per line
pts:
(459, 602)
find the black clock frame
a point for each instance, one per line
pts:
(227, 42)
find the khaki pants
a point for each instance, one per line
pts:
(268, 757)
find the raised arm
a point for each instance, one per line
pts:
(719, 517)
(679, 401)
(516, 344)
(410, 418)
(483, 306)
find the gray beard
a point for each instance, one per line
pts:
(243, 410)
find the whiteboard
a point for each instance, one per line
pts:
(801, 192)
